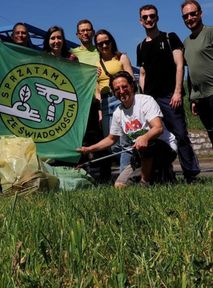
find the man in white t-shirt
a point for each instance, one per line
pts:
(139, 117)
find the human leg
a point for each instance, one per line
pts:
(146, 169)
(93, 132)
(125, 158)
(205, 112)
(164, 157)
(152, 165)
(174, 120)
(109, 104)
(129, 173)
(123, 178)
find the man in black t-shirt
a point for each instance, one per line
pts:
(160, 58)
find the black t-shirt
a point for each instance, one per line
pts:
(156, 58)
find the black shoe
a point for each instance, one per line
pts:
(191, 179)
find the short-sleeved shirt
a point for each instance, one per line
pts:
(86, 56)
(134, 121)
(199, 57)
(156, 58)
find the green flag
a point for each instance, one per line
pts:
(45, 98)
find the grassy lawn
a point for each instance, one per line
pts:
(155, 237)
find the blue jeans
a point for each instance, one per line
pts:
(109, 104)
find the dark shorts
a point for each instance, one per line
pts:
(160, 151)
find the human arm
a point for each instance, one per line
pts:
(176, 99)
(98, 98)
(190, 92)
(142, 78)
(97, 92)
(194, 109)
(156, 129)
(126, 64)
(101, 145)
(194, 95)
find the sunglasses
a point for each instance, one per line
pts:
(151, 16)
(191, 14)
(106, 42)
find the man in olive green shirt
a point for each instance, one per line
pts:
(199, 58)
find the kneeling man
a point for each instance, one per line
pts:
(139, 117)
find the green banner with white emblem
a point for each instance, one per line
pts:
(45, 98)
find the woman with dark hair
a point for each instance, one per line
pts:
(55, 43)
(111, 62)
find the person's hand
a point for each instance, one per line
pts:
(176, 100)
(141, 143)
(100, 117)
(194, 109)
(83, 150)
(99, 71)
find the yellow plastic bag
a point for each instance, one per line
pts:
(17, 158)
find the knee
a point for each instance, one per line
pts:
(120, 185)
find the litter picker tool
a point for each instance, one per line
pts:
(85, 164)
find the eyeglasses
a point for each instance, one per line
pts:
(151, 16)
(192, 14)
(84, 31)
(106, 42)
(20, 33)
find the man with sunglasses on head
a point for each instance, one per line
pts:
(160, 58)
(139, 118)
(198, 54)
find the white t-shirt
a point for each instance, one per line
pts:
(134, 121)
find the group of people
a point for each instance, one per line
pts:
(161, 57)
(151, 119)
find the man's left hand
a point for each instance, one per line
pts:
(141, 143)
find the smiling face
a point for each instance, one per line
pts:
(20, 35)
(149, 19)
(56, 42)
(123, 91)
(192, 16)
(85, 33)
(104, 45)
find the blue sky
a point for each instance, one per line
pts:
(120, 17)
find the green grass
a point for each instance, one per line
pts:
(155, 237)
